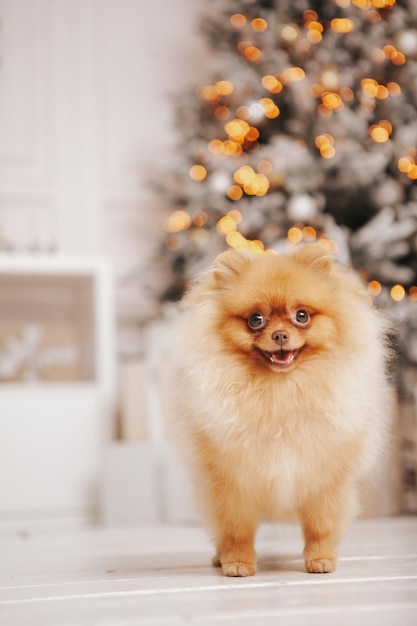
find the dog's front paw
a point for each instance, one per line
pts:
(320, 566)
(239, 569)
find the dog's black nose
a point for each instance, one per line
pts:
(280, 337)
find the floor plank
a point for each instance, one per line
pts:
(161, 575)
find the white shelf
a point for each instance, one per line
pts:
(53, 431)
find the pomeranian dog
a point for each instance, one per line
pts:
(281, 396)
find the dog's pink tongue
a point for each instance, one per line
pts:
(283, 356)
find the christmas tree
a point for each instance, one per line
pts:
(307, 131)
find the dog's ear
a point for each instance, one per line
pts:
(315, 256)
(229, 264)
(221, 274)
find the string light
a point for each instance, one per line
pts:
(213, 92)
(407, 165)
(394, 55)
(234, 192)
(325, 144)
(381, 132)
(270, 108)
(342, 25)
(294, 74)
(177, 221)
(295, 235)
(249, 51)
(240, 125)
(289, 33)
(198, 172)
(252, 183)
(238, 20)
(259, 25)
(272, 83)
(199, 218)
(397, 293)
(375, 287)
(226, 225)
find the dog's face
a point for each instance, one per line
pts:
(277, 311)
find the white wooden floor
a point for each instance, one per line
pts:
(162, 575)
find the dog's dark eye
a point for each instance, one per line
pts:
(256, 321)
(302, 317)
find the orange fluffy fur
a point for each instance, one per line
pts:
(281, 398)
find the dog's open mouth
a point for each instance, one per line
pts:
(281, 358)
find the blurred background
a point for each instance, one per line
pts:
(139, 140)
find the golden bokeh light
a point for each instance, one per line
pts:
(259, 24)
(294, 74)
(244, 175)
(264, 167)
(363, 4)
(234, 192)
(232, 148)
(325, 144)
(314, 28)
(226, 225)
(198, 172)
(295, 235)
(369, 86)
(405, 164)
(327, 151)
(213, 92)
(328, 244)
(397, 293)
(272, 83)
(177, 221)
(289, 33)
(394, 55)
(236, 240)
(222, 113)
(252, 134)
(399, 58)
(382, 92)
(270, 108)
(347, 94)
(215, 146)
(238, 20)
(378, 55)
(253, 184)
(381, 132)
(342, 25)
(235, 215)
(250, 52)
(393, 88)
(332, 101)
(199, 218)
(412, 293)
(243, 112)
(309, 233)
(387, 125)
(412, 173)
(224, 87)
(237, 129)
(374, 287)
(324, 140)
(383, 4)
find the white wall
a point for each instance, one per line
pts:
(85, 115)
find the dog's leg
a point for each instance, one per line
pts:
(235, 525)
(323, 521)
(235, 552)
